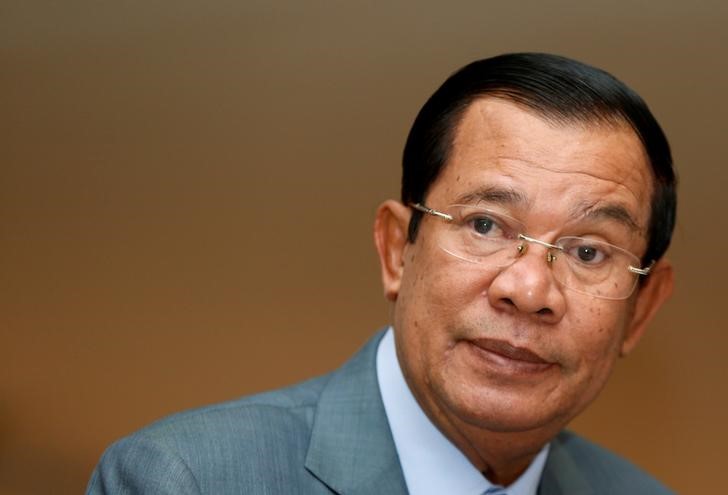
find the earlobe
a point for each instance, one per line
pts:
(652, 295)
(390, 237)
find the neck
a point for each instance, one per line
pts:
(500, 457)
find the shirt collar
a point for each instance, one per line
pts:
(431, 464)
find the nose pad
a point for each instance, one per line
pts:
(522, 248)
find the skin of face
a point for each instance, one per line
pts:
(502, 359)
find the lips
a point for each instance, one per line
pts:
(506, 350)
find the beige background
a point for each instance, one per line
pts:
(187, 191)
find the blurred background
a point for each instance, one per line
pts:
(187, 191)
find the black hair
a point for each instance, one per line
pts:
(557, 88)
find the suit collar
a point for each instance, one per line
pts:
(351, 448)
(562, 475)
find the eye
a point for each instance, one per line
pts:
(483, 225)
(587, 253)
(479, 224)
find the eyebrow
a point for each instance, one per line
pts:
(492, 194)
(609, 211)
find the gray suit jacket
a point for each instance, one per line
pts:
(326, 435)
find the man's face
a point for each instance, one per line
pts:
(510, 349)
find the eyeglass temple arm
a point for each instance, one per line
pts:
(641, 271)
(430, 211)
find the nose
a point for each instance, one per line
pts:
(527, 286)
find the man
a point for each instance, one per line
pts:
(525, 257)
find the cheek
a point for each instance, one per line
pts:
(597, 338)
(436, 296)
(456, 299)
(437, 284)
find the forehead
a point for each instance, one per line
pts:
(561, 166)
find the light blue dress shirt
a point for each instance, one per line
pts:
(430, 462)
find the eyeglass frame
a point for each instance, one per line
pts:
(549, 257)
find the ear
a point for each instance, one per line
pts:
(390, 237)
(652, 294)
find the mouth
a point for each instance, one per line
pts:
(508, 357)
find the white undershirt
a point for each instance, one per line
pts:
(430, 462)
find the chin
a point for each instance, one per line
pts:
(507, 413)
(509, 421)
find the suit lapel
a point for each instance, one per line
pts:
(351, 448)
(561, 475)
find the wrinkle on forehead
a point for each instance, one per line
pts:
(556, 170)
